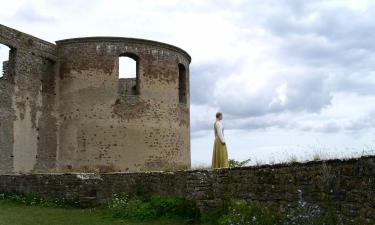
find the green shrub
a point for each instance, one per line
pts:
(34, 199)
(234, 163)
(309, 214)
(174, 207)
(118, 201)
(242, 213)
(211, 217)
(135, 208)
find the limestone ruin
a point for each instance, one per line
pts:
(64, 108)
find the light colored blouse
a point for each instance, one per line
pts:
(219, 129)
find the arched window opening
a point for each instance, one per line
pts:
(127, 67)
(128, 74)
(182, 86)
(4, 60)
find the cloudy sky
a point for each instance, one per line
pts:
(293, 78)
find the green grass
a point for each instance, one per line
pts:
(31, 209)
(13, 213)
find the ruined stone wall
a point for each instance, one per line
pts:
(349, 184)
(102, 129)
(28, 139)
(64, 108)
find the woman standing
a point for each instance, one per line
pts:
(220, 154)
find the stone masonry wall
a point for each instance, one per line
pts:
(63, 106)
(350, 184)
(104, 130)
(28, 139)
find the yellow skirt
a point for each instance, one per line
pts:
(220, 155)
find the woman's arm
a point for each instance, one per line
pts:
(219, 130)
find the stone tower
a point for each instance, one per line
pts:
(64, 108)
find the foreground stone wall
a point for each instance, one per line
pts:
(349, 184)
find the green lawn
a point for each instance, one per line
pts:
(12, 213)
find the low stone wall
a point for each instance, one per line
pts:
(349, 184)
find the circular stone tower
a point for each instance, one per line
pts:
(108, 123)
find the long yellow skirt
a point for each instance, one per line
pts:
(220, 155)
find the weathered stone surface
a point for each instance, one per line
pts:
(352, 196)
(64, 108)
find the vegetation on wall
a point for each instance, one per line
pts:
(234, 163)
(34, 199)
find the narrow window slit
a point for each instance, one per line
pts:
(182, 86)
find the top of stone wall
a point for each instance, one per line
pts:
(124, 40)
(220, 170)
(22, 41)
(302, 164)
